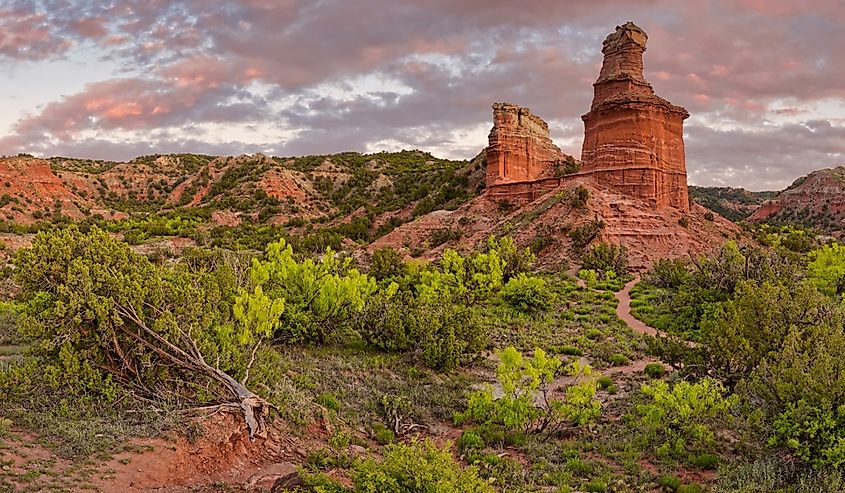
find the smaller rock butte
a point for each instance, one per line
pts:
(521, 148)
(633, 139)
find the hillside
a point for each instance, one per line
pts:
(735, 204)
(816, 200)
(218, 200)
(558, 226)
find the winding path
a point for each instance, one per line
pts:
(623, 311)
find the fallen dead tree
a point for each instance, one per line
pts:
(103, 315)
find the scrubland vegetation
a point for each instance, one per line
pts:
(475, 372)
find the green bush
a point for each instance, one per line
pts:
(667, 273)
(517, 410)
(8, 323)
(416, 467)
(683, 417)
(579, 197)
(456, 279)
(328, 401)
(105, 321)
(446, 335)
(527, 294)
(384, 323)
(584, 234)
(706, 461)
(618, 359)
(470, 441)
(442, 334)
(655, 370)
(670, 483)
(320, 298)
(383, 435)
(516, 261)
(606, 257)
(387, 264)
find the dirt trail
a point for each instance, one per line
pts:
(623, 311)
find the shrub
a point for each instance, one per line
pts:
(708, 216)
(655, 370)
(520, 378)
(827, 268)
(595, 486)
(667, 273)
(527, 294)
(470, 441)
(584, 234)
(579, 197)
(684, 222)
(606, 257)
(442, 334)
(464, 280)
(320, 297)
(706, 461)
(446, 335)
(443, 235)
(386, 263)
(618, 359)
(384, 323)
(8, 323)
(383, 435)
(100, 314)
(670, 483)
(683, 417)
(328, 401)
(516, 261)
(589, 276)
(570, 351)
(416, 467)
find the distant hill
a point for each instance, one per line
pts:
(735, 204)
(327, 199)
(816, 200)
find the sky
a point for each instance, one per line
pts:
(764, 80)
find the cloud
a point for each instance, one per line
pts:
(336, 75)
(26, 35)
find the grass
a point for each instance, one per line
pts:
(582, 322)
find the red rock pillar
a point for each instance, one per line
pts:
(633, 139)
(520, 146)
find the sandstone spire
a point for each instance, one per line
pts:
(633, 139)
(520, 146)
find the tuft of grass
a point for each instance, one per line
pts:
(655, 370)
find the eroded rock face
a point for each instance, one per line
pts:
(633, 139)
(520, 146)
(816, 200)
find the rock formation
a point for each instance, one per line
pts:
(520, 146)
(633, 139)
(816, 200)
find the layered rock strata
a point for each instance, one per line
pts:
(520, 148)
(633, 139)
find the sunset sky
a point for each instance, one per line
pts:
(764, 80)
